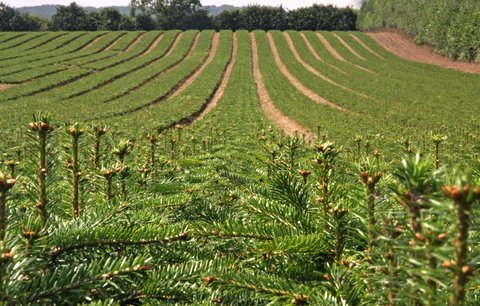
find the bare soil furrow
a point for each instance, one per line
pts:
(21, 43)
(288, 125)
(217, 93)
(92, 43)
(134, 42)
(337, 55)
(317, 56)
(67, 81)
(109, 47)
(163, 72)
(404, 47)
(195, 75)
(47, 51)
(329, 48)
(88, 44)
(310, 68)
(5, 86)
(46, 41)
(349, 48)
(220, 90)
(121, 75)
(361, 43)
(154, 45)
(177, 89)
(295, 82)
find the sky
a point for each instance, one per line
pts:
(290, 4)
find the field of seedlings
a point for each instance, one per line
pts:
(234, 168)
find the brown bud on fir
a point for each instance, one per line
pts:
(29, 234)
(364, 176)
(468, 270)
(218, 300)
(326, 276)
(304, 173)
(11, 182)
(389, 256)
(43, 171)
(300, 300)
(420, 237)
(442, 236)
(33, 126)
(183, 236)
(40, 205)
(447, 264)
(370, 181)
(208, 280)
(6, 256)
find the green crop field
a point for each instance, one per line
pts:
(204, 167)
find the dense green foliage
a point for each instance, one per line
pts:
(11, 20)
(140, 203)
(183, 15)
(451, 27)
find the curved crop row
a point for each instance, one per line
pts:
(66, 77)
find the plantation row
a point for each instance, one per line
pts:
(334, 81)
(222, 208)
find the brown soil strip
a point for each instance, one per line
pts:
(404, 47)
(317, 56)
(223, 85)
(344, 43)
(295, 82)
(170, 68)
(120, 75)
(192, 78)
(329, 48)
(177, 89)
(361, 43)
(21, 43)
(134, 42)
(45, 42)
(5, 86)
(109, 47)
(91, 43)
(155, 44)
(307, 66)
(335, 54)
(288, 125)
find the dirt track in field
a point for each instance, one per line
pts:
(291, 45)
(155, 44)
(349, 48)
(337, 55)
(361, 43)
(289, 126)
(404, 47)
(223, 85)
(92, 43)
(5, 86)
(114, 43)
(295, 82)
(329, 48)
(193, 77)
(317, 56)
(137, 39)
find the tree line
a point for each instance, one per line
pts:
(181, 14)
(451, 27)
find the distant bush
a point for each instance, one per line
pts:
(451, 27)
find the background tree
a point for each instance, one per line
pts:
(110, 19)
(11, 20)
(170, 14)
(70, 18)
(228, 19)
